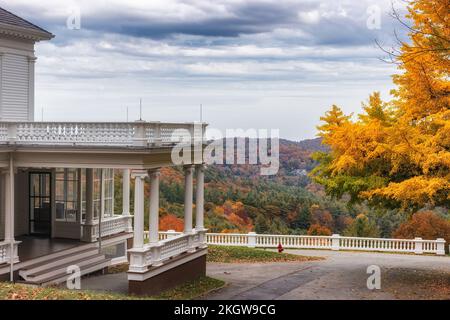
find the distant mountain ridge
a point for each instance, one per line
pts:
(295, 159)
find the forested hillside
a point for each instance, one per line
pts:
(239, 199)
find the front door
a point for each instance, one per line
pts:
(40, 204)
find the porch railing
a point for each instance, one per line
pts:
(172, 245)
(5, 250)
(110, 226)
(334, 242)
(139, 133)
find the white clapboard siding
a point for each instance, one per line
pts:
(15, 82)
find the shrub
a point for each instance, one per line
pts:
(171, 222)
(427, 225)
(362, 227)
(318, 230)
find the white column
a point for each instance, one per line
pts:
(440, 243)
(8, 207)
(199, 197)
(31, 62)
(154, 206)
(188, 193)
(89, 222)
(335, 242)
(138, 176)
(89, 196)
(126, 192)
(418, 249)
(1, 84)
(79, 196)
(102, 193)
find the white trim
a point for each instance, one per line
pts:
(31, 67)
(25, 33)
(1, 85)
(170, 264)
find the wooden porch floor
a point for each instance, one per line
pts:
(34, 247)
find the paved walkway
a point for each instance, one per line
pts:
(343, 275)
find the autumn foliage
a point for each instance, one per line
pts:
(426, 225)
(171, 222)
(319, 230)
(396, 154)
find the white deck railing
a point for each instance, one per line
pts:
(5, 249)
(334, 242)
(170, 245)
(113, 225)
(139, 133)
(110, 226)
(4, 252)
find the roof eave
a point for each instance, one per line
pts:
(26, 33)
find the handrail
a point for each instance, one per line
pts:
(334, 242)
(137, 134)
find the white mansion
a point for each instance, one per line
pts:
(57, 187)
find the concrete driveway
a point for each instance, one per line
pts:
(343, 275)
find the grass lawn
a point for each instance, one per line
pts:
(243, 254)
(190, 290)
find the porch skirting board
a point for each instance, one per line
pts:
(186, 267)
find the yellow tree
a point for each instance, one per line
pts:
(397, 154)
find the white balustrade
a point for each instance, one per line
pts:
(5, 249)
(138, 133)
(227, 239)
(110, 226)
(163, 235)
(334, 242)
(4, 252)
(172, 245)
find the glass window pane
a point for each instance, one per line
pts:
(67, 194)
(60, 209)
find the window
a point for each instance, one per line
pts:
(107, 188)
(97, 192)
(66, 194)
(108, 178)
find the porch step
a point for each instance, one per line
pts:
(54, 255)
(54, 270)
(63, 276)
(53, 262)
(62, 269)
(84, 270)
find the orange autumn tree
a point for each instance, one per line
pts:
(397, 153)
(171, 222)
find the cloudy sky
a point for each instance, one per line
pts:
(252, 64)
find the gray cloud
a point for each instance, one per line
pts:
(284, 61)
(322, 23)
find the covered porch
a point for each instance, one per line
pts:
(32, 247)
(55, 208)
(57, 191)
